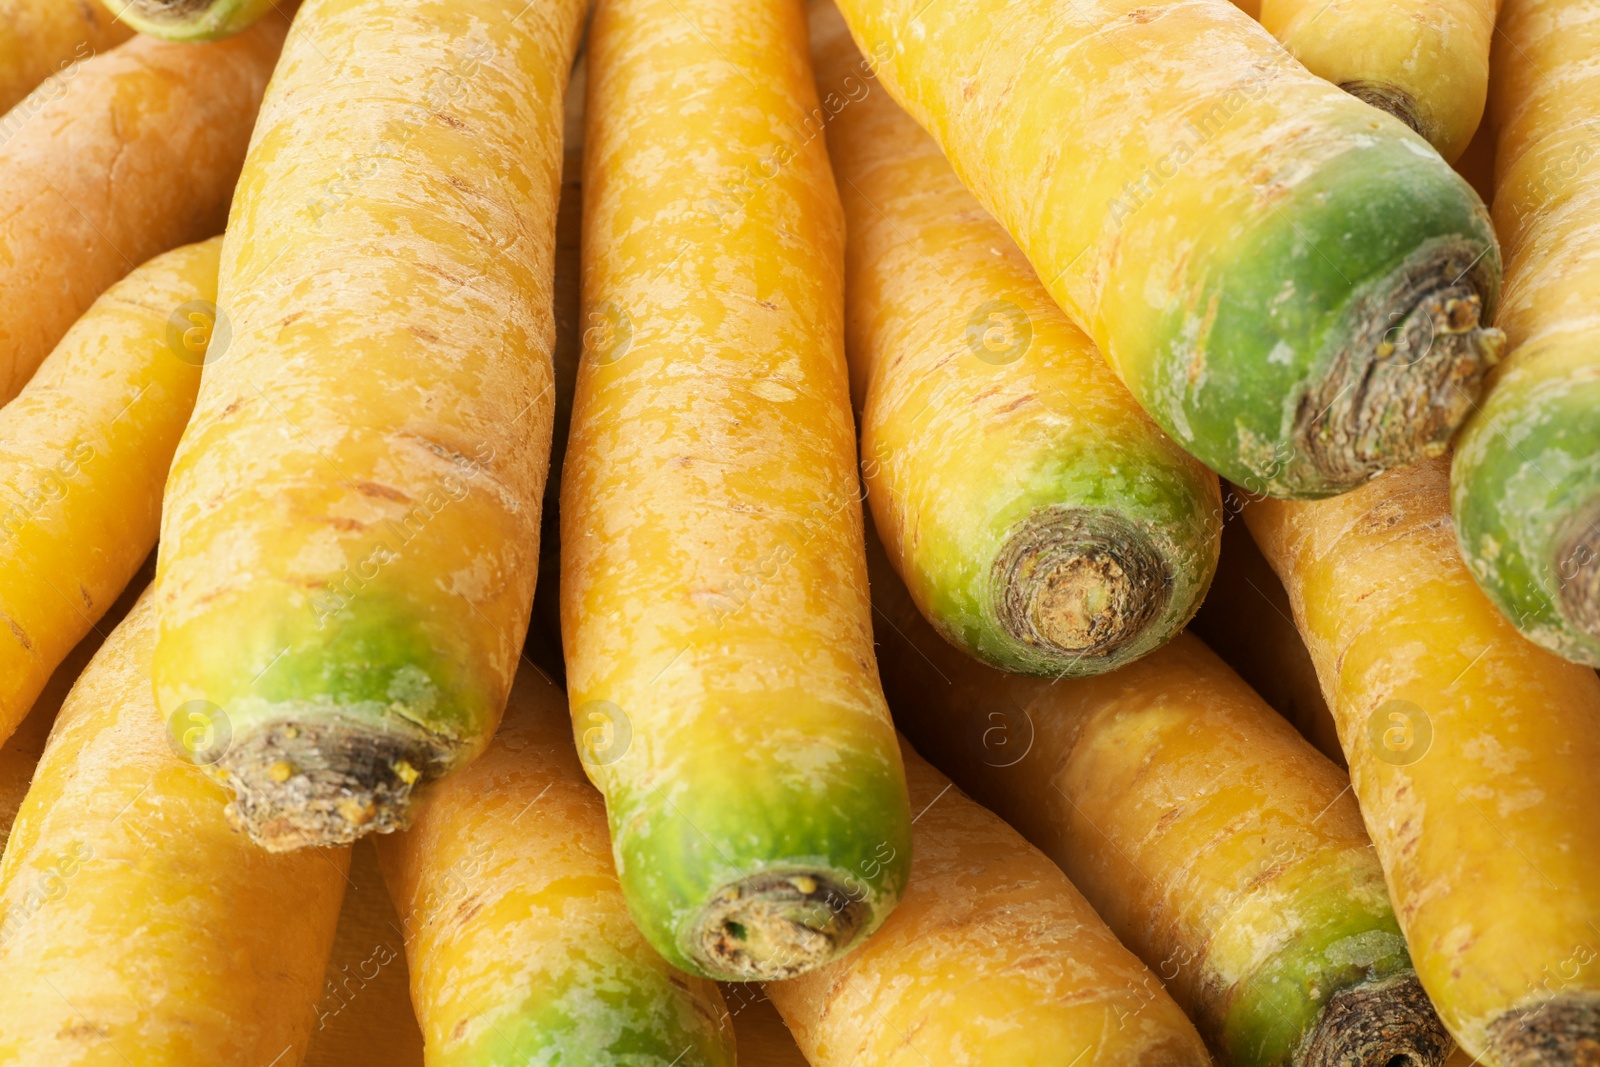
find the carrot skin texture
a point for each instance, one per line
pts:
(1526, 475)
(714, 598)
(992, 957)
(1260, 256)
(84, 452)
(1212, 839)
(88, 181)
(1424, 61)
(43, 41)
(1042, 521)
(120, 833)
(1471, 751)
(354, 509)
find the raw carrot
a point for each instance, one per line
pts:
(1526, 480)
(43, 41)
(714, 598)
(1042, 521)
(193, 20)
(1426, 62)
(1212, 838)
(349, 547)
(1292, 284)
(519, 939)
(135, 927)
(84, 452)
(992, 958)
(137, 155)
(1472, 752)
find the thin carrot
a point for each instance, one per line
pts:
(137, 155)
(714, 603)
(135, 927)
(1042, 521)
(992, 958)
(1473, 753)
(351, 534)
(1294, 285)
(44, 41)
(519, 939)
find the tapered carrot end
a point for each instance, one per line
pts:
(304, 785)
(1384, 1023)
(1564, 1030)
(776, 925)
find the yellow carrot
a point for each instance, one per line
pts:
(43, 41)
(1472, 752)
(1426, 62)
(84, 452)
(714, 598)
(1292, 284)
(1214, 840)
(1042, 521)
(992, 958)
(351, 534)
(1526, 475)
(138, 154)
(135, 926)
(520, 943)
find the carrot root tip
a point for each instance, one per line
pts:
(299, 784)
(1389, 1021)
(1079, 582)
(1564, 1030)
(1390, 99)
(775, 925)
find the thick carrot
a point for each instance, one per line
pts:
(1526, 481)
(1212, 838)
(1426, 62)
(1473, 753)
(135, 926)
(1290, 282)
(520, 943)
(713, 584)
(44, 41)
(194, 20)
(350, 543)
(137, 155)
(992, 958)
(1042, 521)
(84, 452)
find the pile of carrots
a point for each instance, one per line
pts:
(673, 533)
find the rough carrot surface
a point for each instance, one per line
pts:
(521, 947)
(353, 514)
(1211, 837)
(1293, 284)
(135, 926)
(1526, 480)
(43, 41)
(715, 611)
(137, 155)
(1042, 521)
(84, 452)
(992, 958)
(1472, 752)
(1426, 62)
